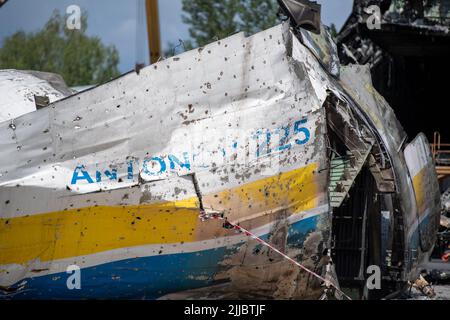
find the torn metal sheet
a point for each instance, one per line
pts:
(323, 48)
(426, 189)
(240, 113)
(392, 162)
(115, 179)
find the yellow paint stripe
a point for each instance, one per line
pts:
(295, 191)
(84, 231)
(71, 233)
(419, 190)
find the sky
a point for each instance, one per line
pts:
(122, 22)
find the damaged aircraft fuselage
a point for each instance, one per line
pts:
(266, 131)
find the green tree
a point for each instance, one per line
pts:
(258, 15)
(211, 20)
(333, 31)
(80, 59)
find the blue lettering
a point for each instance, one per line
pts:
(283, 139)
(264, 147)
(98, 176)
(174, 160)
(130, 170)
(161, 162)
(84, 175)
(111, 175)
(299, 129)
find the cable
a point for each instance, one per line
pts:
(229, 225)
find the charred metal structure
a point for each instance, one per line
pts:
(131, 181)
(407, 45)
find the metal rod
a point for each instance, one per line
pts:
(153, 33)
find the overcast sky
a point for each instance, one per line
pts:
(116, 21)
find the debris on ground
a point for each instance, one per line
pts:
(423, 286)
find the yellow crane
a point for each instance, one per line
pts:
(153, 33)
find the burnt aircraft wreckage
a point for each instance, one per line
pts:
(406, 43)
(145, 183)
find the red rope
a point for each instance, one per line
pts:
(255, 237)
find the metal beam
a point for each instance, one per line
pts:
(154, 39)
